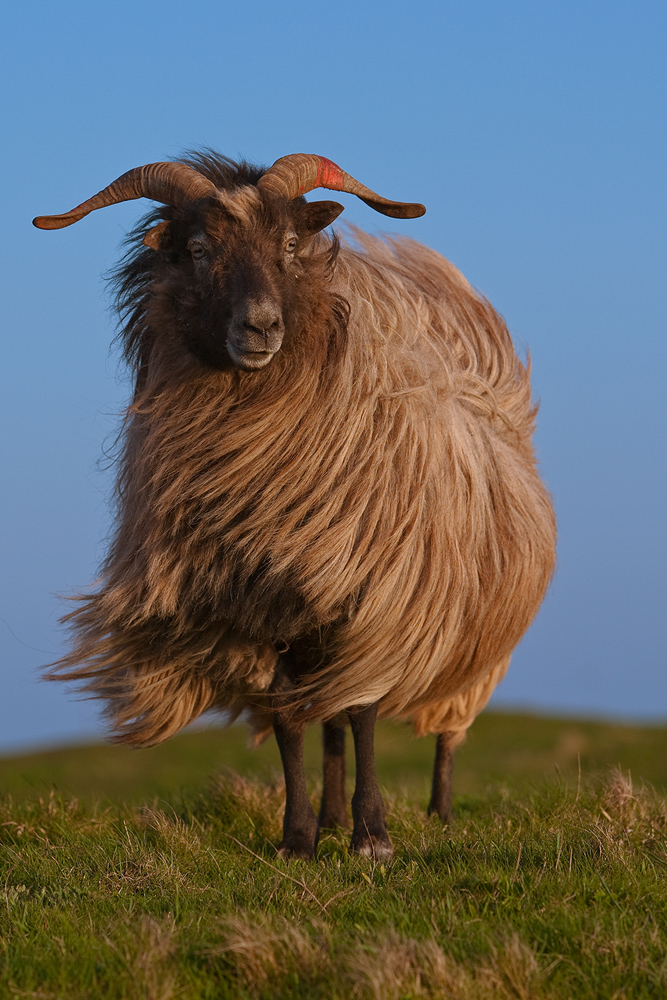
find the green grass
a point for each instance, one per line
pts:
(505, 749)
(153, 874)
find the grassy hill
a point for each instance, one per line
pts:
(506, 749)
(153, 874)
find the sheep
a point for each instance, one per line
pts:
(328, 505)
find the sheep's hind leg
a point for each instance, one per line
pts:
(369, 833)
(441, 792)
(300, 823)
(333, 810)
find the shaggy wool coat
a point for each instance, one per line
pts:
(369, 503)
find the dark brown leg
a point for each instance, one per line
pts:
(441, 794)
(333, 811)
(300, 823)
(369, 834)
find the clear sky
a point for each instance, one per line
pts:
(535, 135)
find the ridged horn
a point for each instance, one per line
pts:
(294, 175)
(170, 183)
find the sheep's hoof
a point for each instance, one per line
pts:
(297, 846)
(378, 847)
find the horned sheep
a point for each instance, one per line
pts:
(328, 505)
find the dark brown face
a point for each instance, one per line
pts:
(241, 277)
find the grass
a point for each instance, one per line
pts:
(153, 875)
(506, 749)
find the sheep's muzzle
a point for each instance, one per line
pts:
(255, 333)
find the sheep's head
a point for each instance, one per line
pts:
(241, 270)
(236, 258)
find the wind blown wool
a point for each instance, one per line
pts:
(369, 499)
(328, 502)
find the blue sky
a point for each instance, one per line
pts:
(534, 134)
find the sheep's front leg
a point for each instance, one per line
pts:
(333, 811)
(441, 792)
(300, 823)
(369, 833)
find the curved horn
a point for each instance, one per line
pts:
(171, 183)
(294, 175)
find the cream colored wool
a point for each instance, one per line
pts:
(370, 501)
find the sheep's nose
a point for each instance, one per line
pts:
(262, 317)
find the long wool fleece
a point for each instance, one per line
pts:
(369, 500)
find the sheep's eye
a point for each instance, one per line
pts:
(290, 244)
(197, 251)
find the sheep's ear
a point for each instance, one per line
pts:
(315, 216)
(157, 238)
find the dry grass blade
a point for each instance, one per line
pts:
(290, 878)
(263, 949)
(148, 957)
(398, 967)
(33, 994)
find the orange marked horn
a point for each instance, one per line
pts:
(298, 173)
